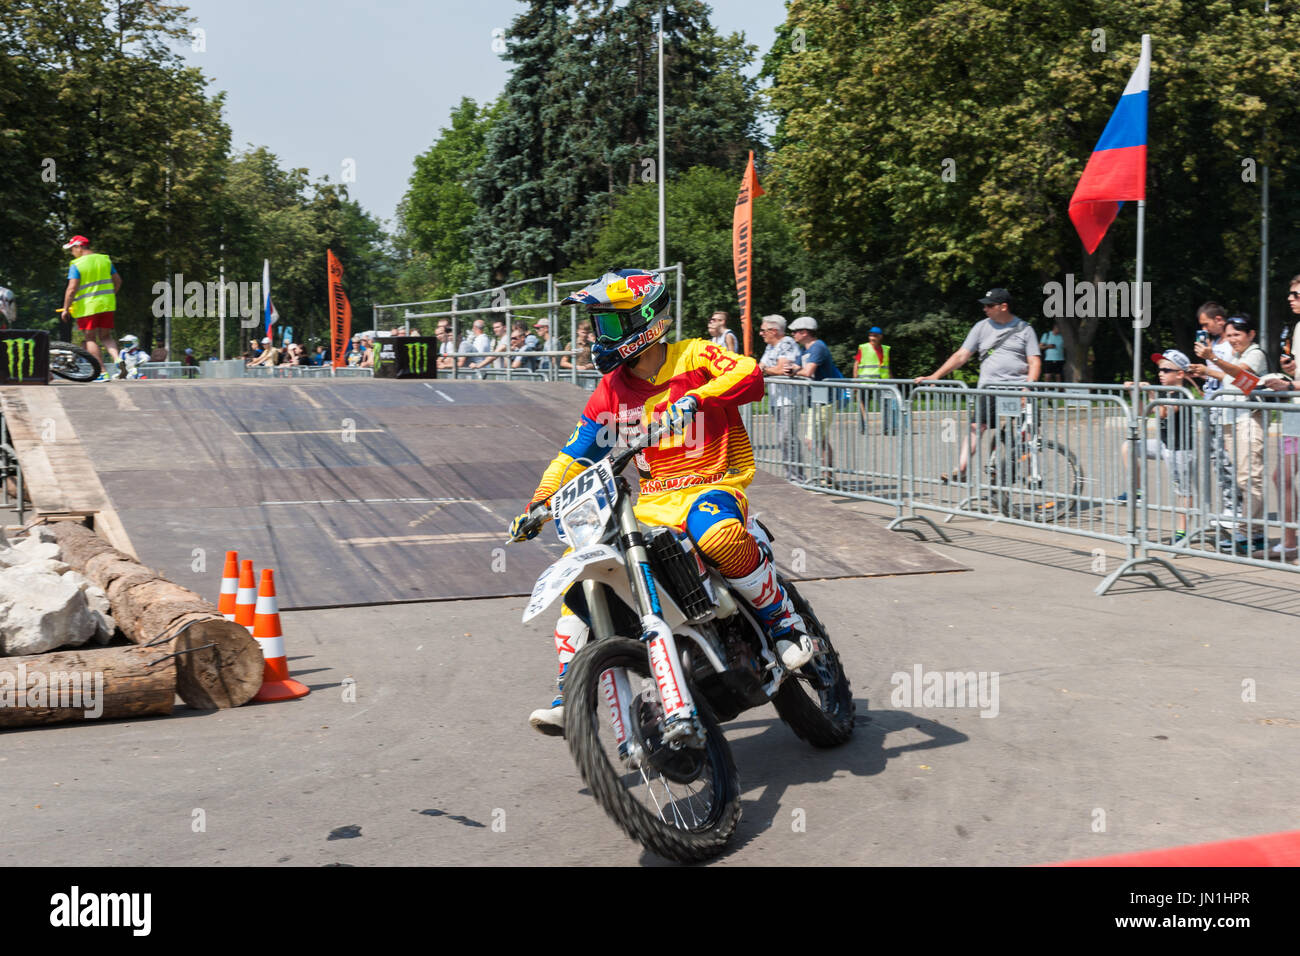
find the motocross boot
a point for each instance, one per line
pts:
(570, 634)
(784, 625)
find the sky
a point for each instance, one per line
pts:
(360, 88)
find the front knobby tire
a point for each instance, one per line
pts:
(824, 719)
(685, 813)
(73, 363)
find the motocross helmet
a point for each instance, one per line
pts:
(629, 312)
(7, 306)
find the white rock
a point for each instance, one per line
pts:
(40, 611)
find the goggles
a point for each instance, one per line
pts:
(609, 326)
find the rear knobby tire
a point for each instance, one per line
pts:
(827, 720)
(73, 363)
(685, 825)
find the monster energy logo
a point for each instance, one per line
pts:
(21, 347)
(417, 357)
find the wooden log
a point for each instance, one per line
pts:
(219, 664)
(104, 684)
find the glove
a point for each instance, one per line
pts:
(680, 413)
(524, 528)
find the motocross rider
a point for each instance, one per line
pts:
(695, 478)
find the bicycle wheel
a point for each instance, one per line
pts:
(1042, 485)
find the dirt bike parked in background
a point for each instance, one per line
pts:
(673, 652)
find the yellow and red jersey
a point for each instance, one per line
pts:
(713, 453)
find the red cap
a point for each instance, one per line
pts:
(76, 241)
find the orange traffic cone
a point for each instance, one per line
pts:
(246, 596)
(229, 585)
(276, 682)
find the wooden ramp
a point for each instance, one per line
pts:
(356, 491)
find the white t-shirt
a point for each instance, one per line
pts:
(1252, 359)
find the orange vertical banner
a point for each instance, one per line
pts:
(340, 311)
(742, 247)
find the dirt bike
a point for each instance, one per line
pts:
(673, 653)
(66, 359)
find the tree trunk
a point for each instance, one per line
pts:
(149, 608)
(106, 684)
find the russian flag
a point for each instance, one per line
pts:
(269, 315)
(1117, 168)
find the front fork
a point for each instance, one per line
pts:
(681, 723)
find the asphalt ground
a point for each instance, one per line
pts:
(1148, 718)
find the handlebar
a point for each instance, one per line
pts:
(540, 513)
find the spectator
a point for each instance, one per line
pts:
(1052, 345)
(367, 350)
(780, 359)
(719, 334)
(519, 346)
(815, 363)
(476, 342)
(1213, 320)
(872, 362)
(319, 357)
(446, 347)
(159, 353)
(1008, 352)
(254, 351)
(293, 355)
(499, 345)
(269, 356)
(188, 360)
(1175, 445)
(1238, 379)
(541, 342)
(581, 346)
(1284, 472)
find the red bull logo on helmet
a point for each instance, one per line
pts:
(639, 285)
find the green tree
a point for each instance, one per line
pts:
(579, 122)
(700, 204)
(436, 214)
(941, 142)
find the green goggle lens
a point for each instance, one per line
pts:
(609, 326)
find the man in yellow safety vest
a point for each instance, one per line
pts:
(872, 362)
(91, 296)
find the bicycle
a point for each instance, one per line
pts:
(1029, 477)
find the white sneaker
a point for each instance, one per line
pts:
(795, 656)
(548, 720)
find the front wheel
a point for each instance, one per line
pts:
(683, 804)
(827, 721)
(73, 363)
(1042, 485)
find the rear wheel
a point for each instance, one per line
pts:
(73, 363)
(821, 713)
(683, 803)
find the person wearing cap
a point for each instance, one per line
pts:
(270, 355)
(815, 363)
(91, 297)
(1177, 436)
(1213, 321)
(188, 359)
(779, 360)
(872, 362)
(1008, 352)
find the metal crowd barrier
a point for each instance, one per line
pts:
(1223, 483)
(167, 370)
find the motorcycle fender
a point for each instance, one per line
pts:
(598, 561)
